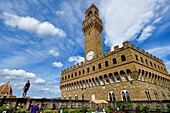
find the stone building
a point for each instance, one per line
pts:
(127, 73)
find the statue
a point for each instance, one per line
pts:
(26, 88)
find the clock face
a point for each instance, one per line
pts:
(90, 55)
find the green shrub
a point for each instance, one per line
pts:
(158, 110)
(111, 108)
(4, 108)
(168, 108)
(145, 109)
(70, 111)
(84, 109)
(48, 111)
(65, 111)
(107, 110)
(55, 111)
(118, 104)
(77, 111)
(90, 110)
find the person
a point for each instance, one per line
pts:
(26, 87)
(35, 109)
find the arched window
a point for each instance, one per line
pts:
(68, 76)
(106, 63)
(62, 78)
(156, 95)
(101, 80)
(136, 57)
(69, 97)
(76, 97)
(114, 61)
(123, 75)
(64, 97)
(106, 79)
(90, 13)
(125, 95)
(151, 64)
(97, 81)
(112, 80)
(123, 58)
(146, 61)
(83, 71)
(93, 68)
(147, 94)
(75, 74)
(117, 76)
(72, 75)
(129, 73)
(141, 59)
(88, 70)
(111, 96)
(79, 72)
(99, 65)
(163, 95)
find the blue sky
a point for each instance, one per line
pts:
(40, 38)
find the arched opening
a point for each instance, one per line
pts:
(76, 97)
(90, 13)
(97, 81)
(111, 96)
(106, 79)
(130, 75)
(99, 66)
(136, 56)
(112, 80)
(123, 75)
(114, 61)
(101, 80)
(147, 94)
(123, 58)
(106, 63)
(125, 95)
(118, 79)
(156, 95)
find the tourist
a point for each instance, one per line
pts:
(35, 109)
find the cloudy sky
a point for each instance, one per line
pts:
(40, 38)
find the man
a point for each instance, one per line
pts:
(35, 109)
(26, 87)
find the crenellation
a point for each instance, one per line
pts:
(133, 46)
(151, 55)
(138, 48)
(143, 51)
(116, 48)
(126, 44)
(108, 51)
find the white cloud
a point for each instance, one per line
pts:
(160, 51)
(57, 64)
(39, 81)
(124, 20)
(60, 13)
(168, 65)
(147, 32)
(53, 53)
(76, 59)
(30, 24)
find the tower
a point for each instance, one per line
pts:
(92, 28)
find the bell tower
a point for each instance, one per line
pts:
(92, 28)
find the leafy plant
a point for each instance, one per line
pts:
(70, 111)
(65, 111)
(4, 108)
(137, 108)
(77, 111)
(168, 108)
(111, 108)
(107, 109)
(91, 110)
(118, 104)
(145, 109)
(84, 109)
(158, 110)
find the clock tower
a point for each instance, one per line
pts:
(92, 28)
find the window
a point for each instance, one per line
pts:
(129, 73)
(68, 76)
(99, 65)
(163, 96)
(156, 95)
(111, 96)
(123, 75)
(117, 76)
(146, 62)
(72, 75)
(141, 59)
(62, 78)
(123, 58)
(88, 70)
(75, 74)
(76, 97)
(155, 65)
(65, 77)
(136, 57)
(69, 97)
(148, 94)
(93, 68)
(112, 80)
(79, 72)
(106, 63)
(151, 64)
(82, 96)
(64, 97)
(83, 71)
(114, 61)
(125, 95)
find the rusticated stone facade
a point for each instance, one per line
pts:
(127, 73)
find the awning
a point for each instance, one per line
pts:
(98, 101)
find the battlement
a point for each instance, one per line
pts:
(116, 49)
(72, 67)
